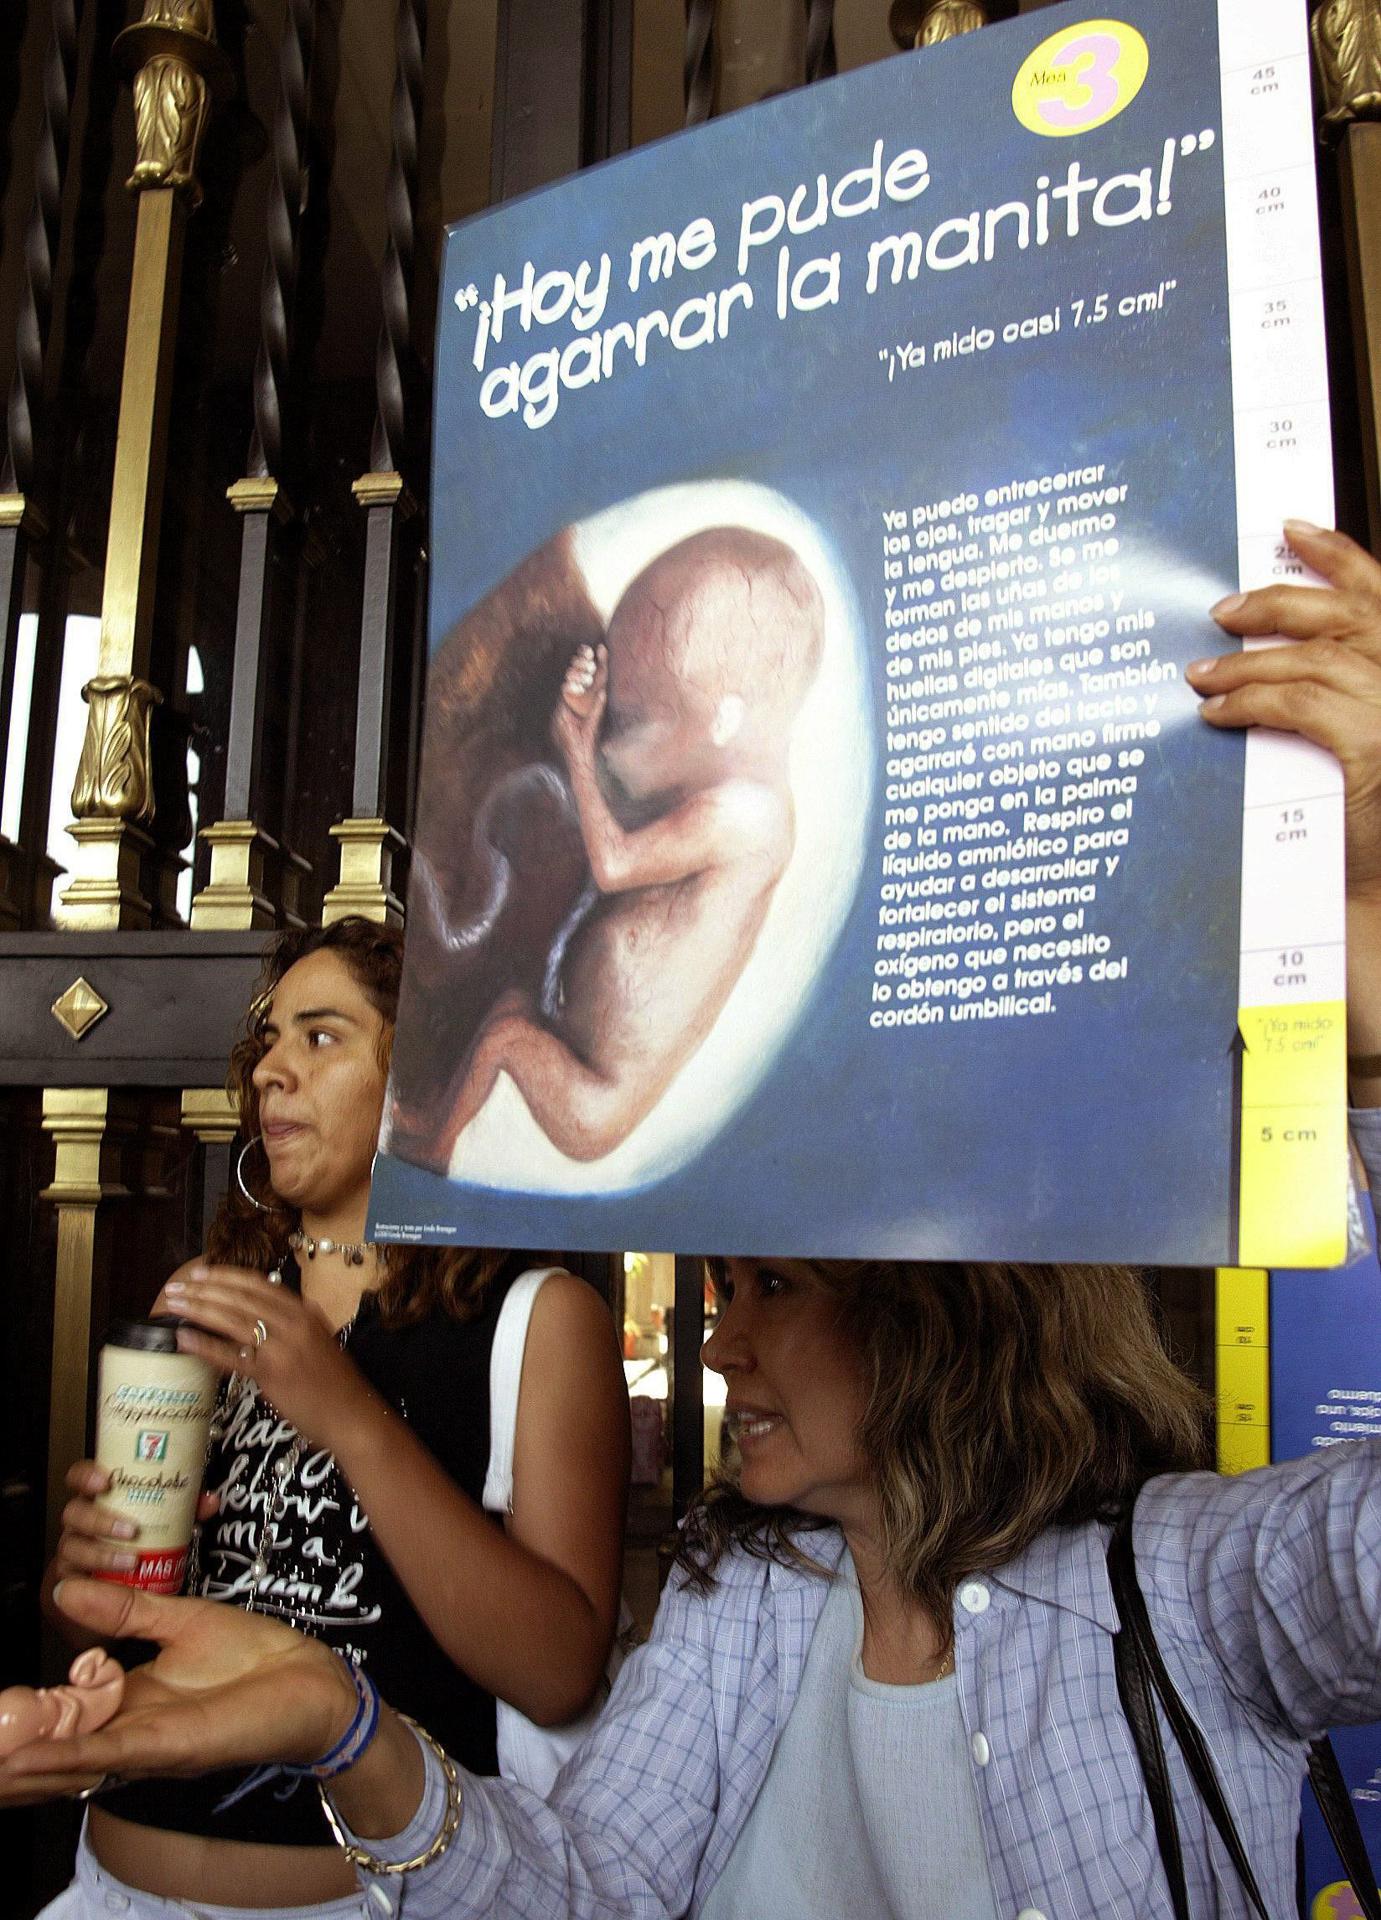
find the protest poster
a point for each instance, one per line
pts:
(818, 849)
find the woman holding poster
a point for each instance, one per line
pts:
(883, 1678)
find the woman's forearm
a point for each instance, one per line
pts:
(381, 1793)
(501, 1845)
(518, 1626)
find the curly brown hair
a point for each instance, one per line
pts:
(999, 1401)
(415, 1279)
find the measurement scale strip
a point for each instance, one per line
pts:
(1292, 1194)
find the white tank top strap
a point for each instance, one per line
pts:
(505, 1378)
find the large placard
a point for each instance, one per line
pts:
(819, 850)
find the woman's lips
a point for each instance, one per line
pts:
(278, 1132)
(750, 1427)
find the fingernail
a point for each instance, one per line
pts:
(124, 1530)
(1197, 668)
(175, 1288)
(1306, 527)
(1229, 604)
(124, 1562)
(57, 1592)
(1211, 706)
(199, 1273)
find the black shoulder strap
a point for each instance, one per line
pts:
(1138, 1703)
(1137, 1631)
(1138, 1657)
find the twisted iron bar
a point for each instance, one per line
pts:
(287, 198)
(13, 27)
(822, 59)
(40, 249)
(699, 61)
(393, 359)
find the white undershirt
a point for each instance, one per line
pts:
(868, 1807)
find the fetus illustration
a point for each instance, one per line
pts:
(92, 1694)
(673, 733)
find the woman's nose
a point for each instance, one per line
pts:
(727, 1350)
(271, 1069)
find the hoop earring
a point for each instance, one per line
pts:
(253, 1199)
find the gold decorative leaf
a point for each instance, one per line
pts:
(113, 780)
(1347, 50)
(947, 19)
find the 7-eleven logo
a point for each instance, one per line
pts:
(151, 1446)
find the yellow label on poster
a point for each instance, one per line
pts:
(1080, 78)
(1293, 1197)
(1293, 1204)
(1294, 1055)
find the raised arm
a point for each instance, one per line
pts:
(1324, 684)
(1278, 1574)
(528, 1612)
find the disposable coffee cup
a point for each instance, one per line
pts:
(153, 1414)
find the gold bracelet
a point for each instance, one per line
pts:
(450, 1826)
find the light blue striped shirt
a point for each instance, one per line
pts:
(1265, 1594)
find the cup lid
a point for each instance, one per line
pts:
(158, 1334)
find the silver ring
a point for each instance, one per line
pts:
(89, 1793)
(261, 1334)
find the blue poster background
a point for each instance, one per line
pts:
(1106, 1130)
(1325, 1353)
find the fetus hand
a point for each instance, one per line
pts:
(95, 1687)
(584, 693)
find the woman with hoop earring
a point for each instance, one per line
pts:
(346, 1482)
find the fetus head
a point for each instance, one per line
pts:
(711, 651)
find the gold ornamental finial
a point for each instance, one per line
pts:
(947, 19)
(183, 16)
(113, 776)
(1347, 51)
(177, 67)
(923, 23)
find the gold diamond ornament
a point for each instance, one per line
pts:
(79, 1008)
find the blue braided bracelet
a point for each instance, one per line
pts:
(342, 1755)
(357, 1735)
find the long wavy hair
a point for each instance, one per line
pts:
(999, 1401)
(415, 1279)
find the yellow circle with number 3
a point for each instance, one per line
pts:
(1337, 1902)
(1080, 78)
